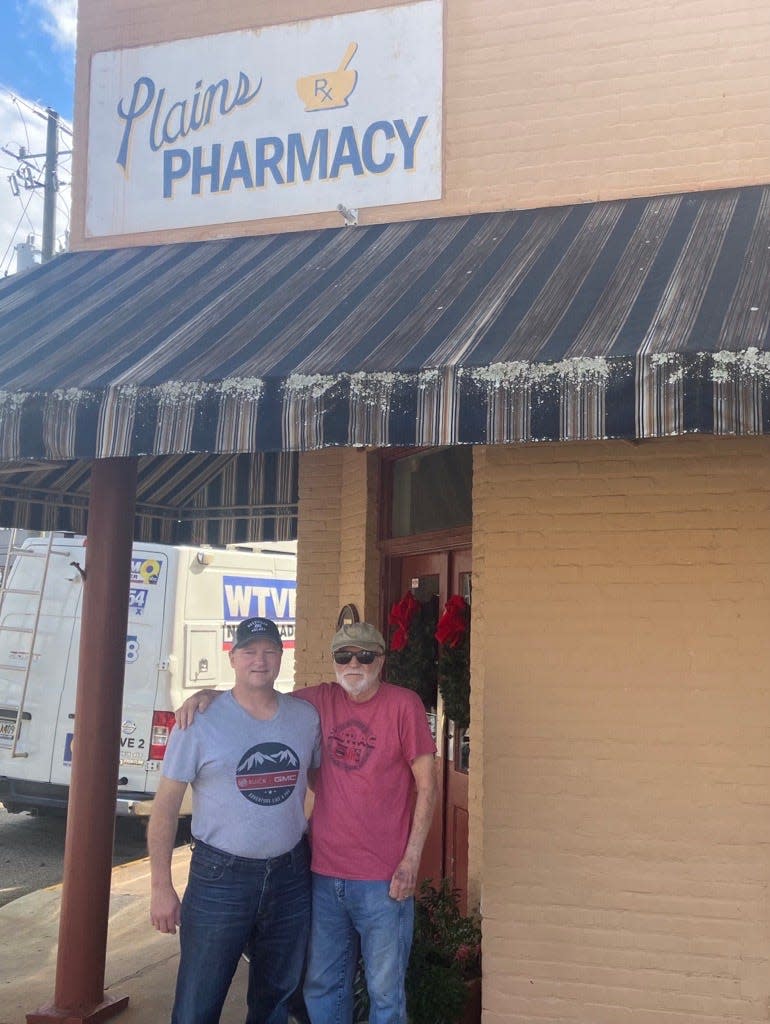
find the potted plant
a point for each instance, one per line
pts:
(443, 980)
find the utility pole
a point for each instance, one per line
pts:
(29, 176)
(50, 183)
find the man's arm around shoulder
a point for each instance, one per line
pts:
(165, 907)
(312, 694)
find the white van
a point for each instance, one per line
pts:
(184, 605)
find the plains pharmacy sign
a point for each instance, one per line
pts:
(284, 120)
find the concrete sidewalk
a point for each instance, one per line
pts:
(141, 963)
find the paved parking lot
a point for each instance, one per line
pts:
(32, 851)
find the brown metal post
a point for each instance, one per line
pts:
(79, 993)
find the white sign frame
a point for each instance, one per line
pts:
(287, 120)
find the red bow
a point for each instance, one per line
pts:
(453, 623)
(401, 615)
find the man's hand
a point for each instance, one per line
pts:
(165, 909)
(404, 880)
(197, 702)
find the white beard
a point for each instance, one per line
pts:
(353, 687)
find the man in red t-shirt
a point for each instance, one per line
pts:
(374, 799)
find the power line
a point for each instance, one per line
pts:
(35, 109)
(21, 117)
(15, 232)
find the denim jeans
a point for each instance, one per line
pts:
(347, 914)
(235, 904)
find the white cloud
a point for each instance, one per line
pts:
(59, 21)
(22, 215)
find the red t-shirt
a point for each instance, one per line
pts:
(365, 791)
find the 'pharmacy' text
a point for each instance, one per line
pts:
(326, 154)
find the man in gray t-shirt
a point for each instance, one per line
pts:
(249, 886)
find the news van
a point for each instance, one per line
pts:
(184, 605)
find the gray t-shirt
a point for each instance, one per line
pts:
(248, 777)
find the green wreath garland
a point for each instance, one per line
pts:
(412, 653)
(454, 661)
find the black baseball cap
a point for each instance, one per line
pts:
(256, 629)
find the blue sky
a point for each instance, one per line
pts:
(37, 69)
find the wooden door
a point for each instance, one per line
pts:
(436, 576)
(426, 576)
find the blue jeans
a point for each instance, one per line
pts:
(236, 904)
(347, 914)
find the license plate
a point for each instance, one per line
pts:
(7, 729)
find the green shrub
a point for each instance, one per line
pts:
(446, 953)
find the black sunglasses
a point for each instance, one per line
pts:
(362, 657)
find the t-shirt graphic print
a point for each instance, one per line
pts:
(349, 744)
(267, 773)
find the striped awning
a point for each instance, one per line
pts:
(181, 499)
(638, 318)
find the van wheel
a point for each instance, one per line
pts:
(131, 830)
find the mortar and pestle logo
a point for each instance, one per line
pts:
(328, 90)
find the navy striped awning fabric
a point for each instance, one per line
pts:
(181, 499)
(639, 318)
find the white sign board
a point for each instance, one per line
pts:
(284, 120)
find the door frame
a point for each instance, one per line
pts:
(445, 854)
(393, 550)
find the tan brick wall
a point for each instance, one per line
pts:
(337, 557)
(318, 562)
(562, 102)
(621, 640)
(359, 560)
